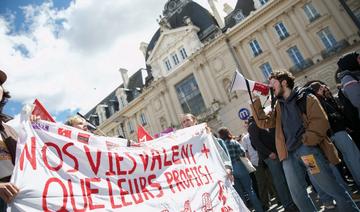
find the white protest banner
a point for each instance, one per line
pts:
(64, 169)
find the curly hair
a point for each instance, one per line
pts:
(281, 75)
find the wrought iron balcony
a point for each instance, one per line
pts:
(334, 49)
(301, 66)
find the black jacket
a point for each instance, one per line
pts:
(262, 140)
(335, 115)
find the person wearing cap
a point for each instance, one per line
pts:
(8, 138)
(349, 75)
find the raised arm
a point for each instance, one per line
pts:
(262, 120)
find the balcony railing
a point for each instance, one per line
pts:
(334, 49)
(284, 36)
(210, 113)
(312, 19)
(257, 53)
(301, 66)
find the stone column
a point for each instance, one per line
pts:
(172, 109)
(204, 89)
(214, 86)
(249, 69)
(166, 106)
(315, 56)
(149, 118)
(342, 20)
(274, 52)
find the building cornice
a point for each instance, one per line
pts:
(268, 10)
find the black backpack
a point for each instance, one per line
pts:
(349, 110)
(301, 98)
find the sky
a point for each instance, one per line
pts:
(67, 53)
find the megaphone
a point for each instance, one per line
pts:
(240, 83)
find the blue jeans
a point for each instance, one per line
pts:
(3, 205)
(325, 198)
(279, 181)
(295, 170)
(350, 152)
(243, 184)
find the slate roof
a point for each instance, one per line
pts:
(198, 15)
(135, 83)
(246, 6)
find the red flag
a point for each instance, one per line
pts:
(39, 110)
(143, 135)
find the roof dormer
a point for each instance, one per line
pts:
(173, 48)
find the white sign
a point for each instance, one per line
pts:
(62, 168)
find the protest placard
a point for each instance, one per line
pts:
(63, 168)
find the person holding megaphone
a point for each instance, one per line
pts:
(301, 141)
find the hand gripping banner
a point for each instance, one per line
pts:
(60, 168)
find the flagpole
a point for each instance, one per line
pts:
(233, 54)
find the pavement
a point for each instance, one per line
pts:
(275, 208)
(278, 208)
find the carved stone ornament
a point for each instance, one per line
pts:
(157, 104)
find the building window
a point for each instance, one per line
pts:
(167, 64)
(143, 119)
(281, 30)
(255, 47)
(327, 38)
(183, 53)
(311, 12)
(189, 96)
(122, 101)
(131, 126)
(101, 111)
(266, 70)
(175, 58)
(295, 56)
(238, 16)
(262, 2)
(121, 130)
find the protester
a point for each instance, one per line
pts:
(241, 175)
(338, 134)
(349, 75)
(8, 191)
(189, 120)
(301, 141)
(264, 142)
(260, 178)
(77, 122)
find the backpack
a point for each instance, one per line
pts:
(301, 98)
(349, 110)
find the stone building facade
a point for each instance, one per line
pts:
(191, 60)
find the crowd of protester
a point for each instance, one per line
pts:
(309, 138)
